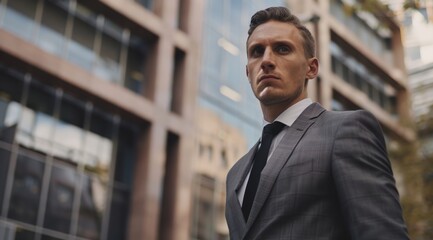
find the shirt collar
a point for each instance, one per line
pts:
(289, 116)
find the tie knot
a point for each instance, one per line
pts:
(273, 128)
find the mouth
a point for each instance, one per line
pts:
(267, 78)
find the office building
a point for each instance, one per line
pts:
(97, 118)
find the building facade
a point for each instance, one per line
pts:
(97, 118)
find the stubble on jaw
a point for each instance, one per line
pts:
(279, 97)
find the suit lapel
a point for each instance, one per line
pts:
(281, 156)
(233, 203)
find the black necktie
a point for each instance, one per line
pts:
(260, 158)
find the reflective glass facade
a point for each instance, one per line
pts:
(90, 40)
(224, 90)
(224, 86)
(66, 164)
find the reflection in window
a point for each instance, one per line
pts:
(135, 66)
(126, 154)
(35, 122)
(81, 139)
(26, 189)
(98, 144)
(80, 49)
(53, 24)
(93, 202)
(108, 64)
(10, 95)
(58, 211)
(19, 17)
(41, 98)
(4, 166)
(68, 134)
(21, 234)
(119, 212)
(10, 122)
(46, 237)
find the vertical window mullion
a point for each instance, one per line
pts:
(47, 173)
(124, 56)
(110, 187)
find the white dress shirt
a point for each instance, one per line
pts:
(287, 117)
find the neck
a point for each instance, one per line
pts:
(272, 111)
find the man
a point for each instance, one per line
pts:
(326, 175)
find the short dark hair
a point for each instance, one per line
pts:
(283, 14)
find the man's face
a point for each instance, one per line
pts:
(277, 67)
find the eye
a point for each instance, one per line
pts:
(283, 49)
(256, 51)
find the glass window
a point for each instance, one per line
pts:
(92, 204)
(10, 96)
(4, 166)
(126, 153)
(119, 212)
(41, 98)
(26, 189)
(58, 211)
(21, 234)
(203, 226)
(53, 24)
(80, 49)
(136, 64)
(19, 17)
(98, 143)
(107, 66)
(46, 237)
(36, 122)
(68, 134)
(177, 81)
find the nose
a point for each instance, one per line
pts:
(268, 61)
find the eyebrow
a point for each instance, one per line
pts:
(276, 42)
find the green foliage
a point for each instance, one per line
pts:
(417, 173)
(406, 161)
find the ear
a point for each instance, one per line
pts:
(313, 68)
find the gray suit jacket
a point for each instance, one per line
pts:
(330, 179)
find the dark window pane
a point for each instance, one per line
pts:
(107, 66)
(93, 202)
(36, 120)
(22, 234)
(60, 199)
(53, 25)
(26, 189)
(72, 111)
(68, 134)
(98, 145)
(41, 98)
(126, 153)
(45, 237)
(11, 87)
(19, 17)
(136, 64)
(82, 41)
(4, 166)
(119, 214)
